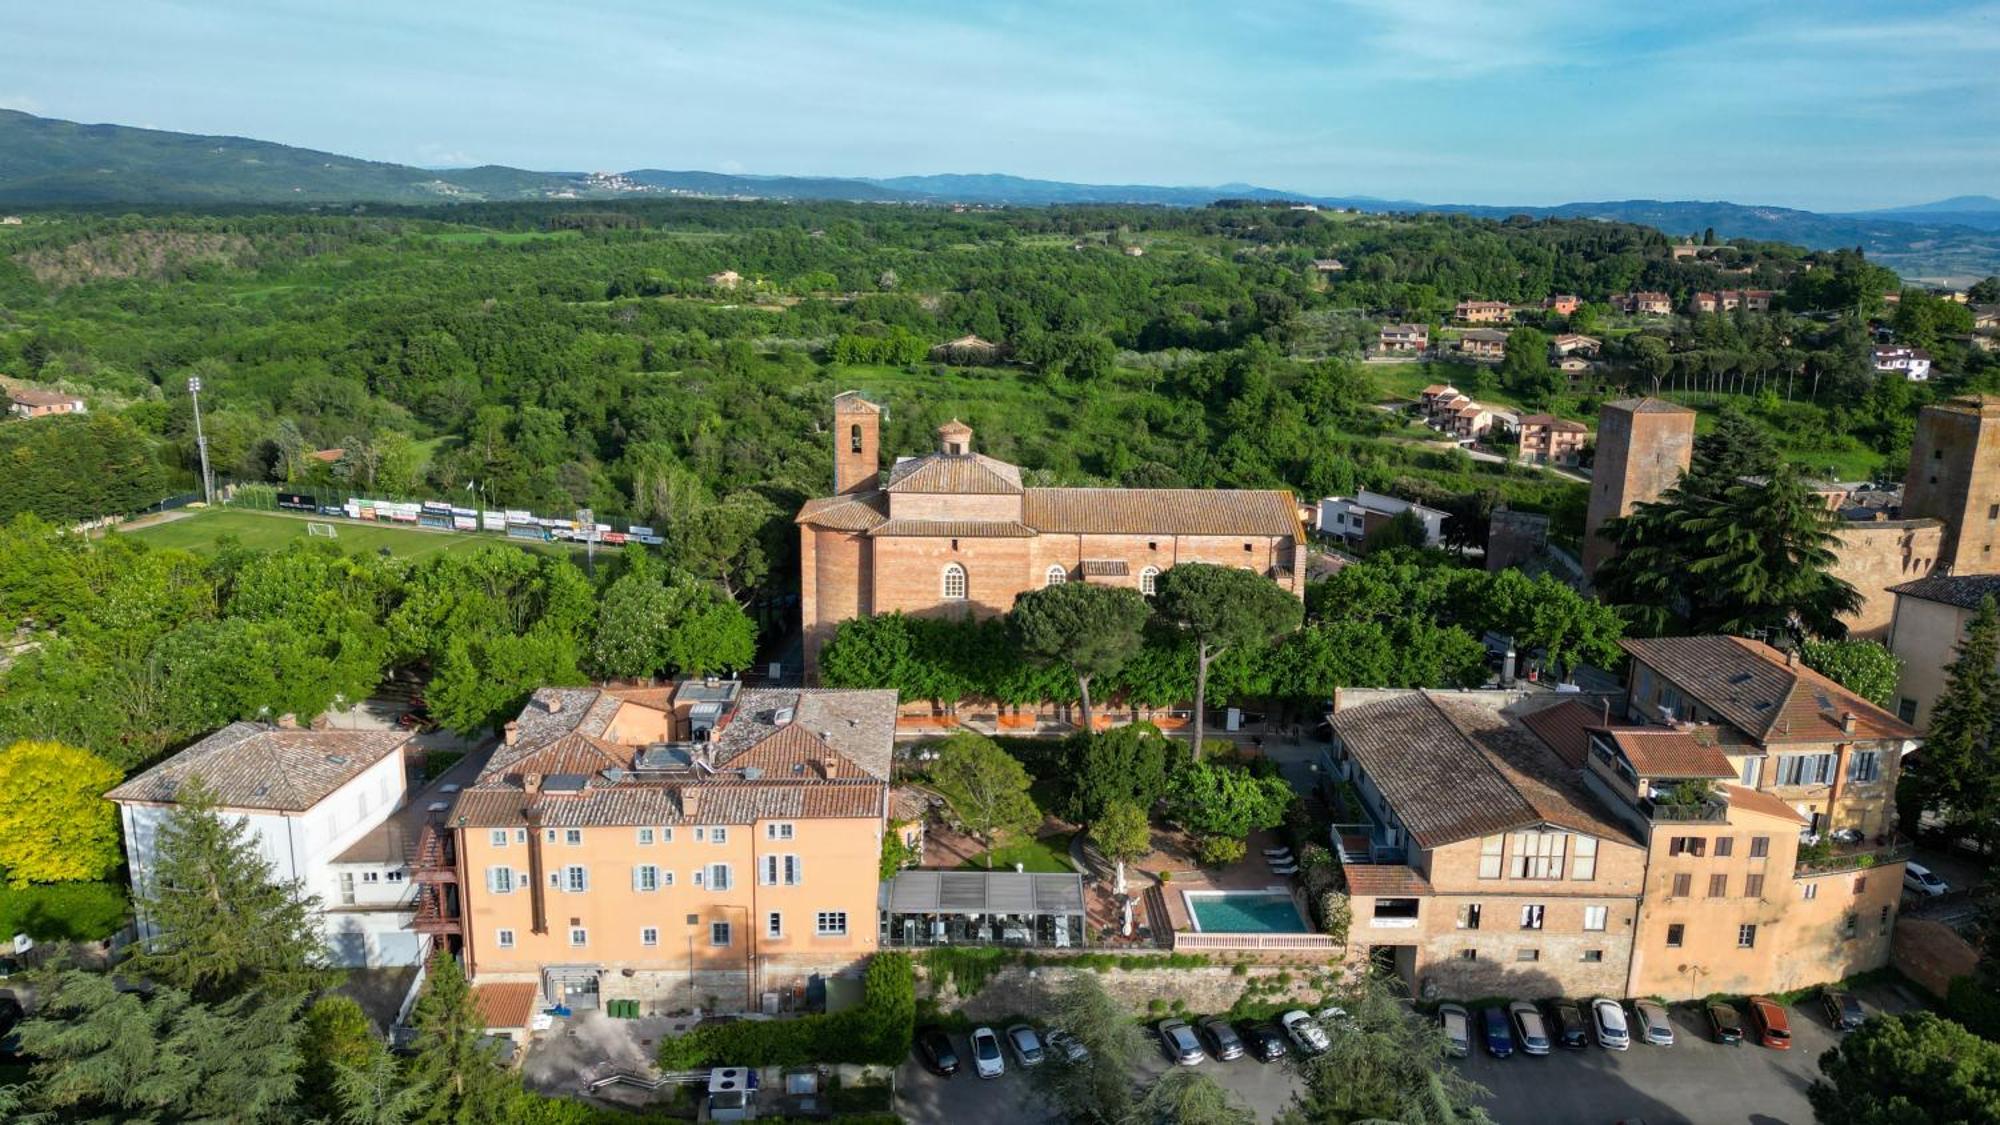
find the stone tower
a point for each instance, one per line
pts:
(857, 443)
(1643, 447)
(1955, 477)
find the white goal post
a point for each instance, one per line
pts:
(322, 531)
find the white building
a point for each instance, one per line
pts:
(327, 808)
(1353, 518)
(1913, 363)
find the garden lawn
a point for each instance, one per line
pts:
(270, 531)
(1044, 854)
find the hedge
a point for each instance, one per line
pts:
(878, 1030)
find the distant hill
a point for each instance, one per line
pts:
(47, 161)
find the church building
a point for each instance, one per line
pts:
(954, 532)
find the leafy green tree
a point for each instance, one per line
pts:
(1526, 371)
(646, 627)
(1220, 608)
(1188, 1097)
(458, 1074)
(372, 1092)
(1911, 1069)
(1958, 773)
(1091, 630)
(1385, 1066)
(218, 921)
(337, 1036)
(986, 786)
(1132, 763)
(106, 1054)
(55, 825)
(1124, 833)
(731, 543)
(1097, 1088)
(1866, 668)
(1217, 800)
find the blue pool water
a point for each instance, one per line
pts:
(1246, 912)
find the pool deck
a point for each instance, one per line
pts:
(1250, 873)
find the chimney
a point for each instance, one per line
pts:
(829, 765)
(288, 721)
(1791, 658)
(510, 732)
(531, 782)
(1847, 722)
(690, 802)
(552, 704)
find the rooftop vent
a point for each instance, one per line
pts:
(752, 773)
(337, 759)
(564, 783)
(439, 806)
(614, 775)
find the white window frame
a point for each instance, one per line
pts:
(718, 835)
(774, 924)
(500, 880)
(1537, 855)
(720, 935)
(1149, 580)
(1491, 856)
(649, 936)
(645, 837)
(579, 937)
(1596, 917)
(1055, 575)
(497, 837)
(347, 888)
(576, 879)
(778, 830)
(573, 837)
(954, 585)
(1873, 759)
(503, 939)
(370, 878)
(1533, 915)
(830, 923)
(728, 880)
(1583, 858)
(644, 874)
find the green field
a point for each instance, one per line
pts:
(267, 530)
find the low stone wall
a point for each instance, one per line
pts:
(720, 990)
(1931, 954)
(1017, 989)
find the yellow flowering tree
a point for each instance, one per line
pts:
(55, 825)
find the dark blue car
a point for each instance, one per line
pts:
(1499, 1037)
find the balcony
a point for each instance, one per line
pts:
(1712, 811)
(434, 857)
(437, 912)
(1828, 856)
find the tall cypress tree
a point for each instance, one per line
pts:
(223, 921)
(1956, 774)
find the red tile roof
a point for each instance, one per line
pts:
(1165, 511)
(969, 473)
(506, 1004)
(1563, 728)
(1669, 752)
(1385, 880)
(1753, 689)
(955, 529)
(857, 512)
(1757, 801)
(260, 766)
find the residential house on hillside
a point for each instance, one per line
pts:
(1535, 845)
(1574, 343)
(30, 402)
(1356, 518)
(1913, 364)
(1328, 265)
(1926, 626)
(1483, 312)
(324, 807)
(967, 349)
(727, 279)
(1484, 345)
(1644, 302)
(1548, 440)
(1563, 304)
(673, 844)
(1985, 317)
(1727, 300)
(1404, 338)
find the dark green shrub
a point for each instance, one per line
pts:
(63, 911)
(876, 1031)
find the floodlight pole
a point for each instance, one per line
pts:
(588, 519)
(201, 441)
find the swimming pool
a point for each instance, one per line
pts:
(1244, 912)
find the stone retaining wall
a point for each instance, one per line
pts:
(1019, 990)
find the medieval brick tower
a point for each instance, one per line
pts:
(1643, 447)
(1955, 477)
(857, 443)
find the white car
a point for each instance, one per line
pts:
(1918, 878)
(1309, 1036)
(987, 1060)
(1457, 1024)
(1608, 1016)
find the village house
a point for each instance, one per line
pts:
(1985, 317)
(968, 349)
(954, 533)
(1429, 398)
(1929, 621)
(1644, 302)
(1548, 440)
(1913, 364)
(327, 808)
(1574, 343)
(1483, 344)
(1728, 300)
(670, 845)
(1730, 832)
(1404, 338)
(30, 402)
(1135, 251)
(1356, 518)
(10, 220)
(1328, 265)
(1563, 304)
(727, 279)
(1483, 312)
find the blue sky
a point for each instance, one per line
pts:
(1825, 104)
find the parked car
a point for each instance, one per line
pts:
(1653, 1025)
(1064, 1046)
(1493, 1031)
(1457, 1024)
(1566, 1019)
(1026, 1044)
(1223, 1042)
(1180, 1042)
(1334, 1019)
(1307, 1035)
(1529, 1027)
(1725, 1023)
(1266, 1042)
(1608, 1018)
(1768, 1020)
(1843, 1011)
(1918, 878)
(936, 1052)
(986, 1058)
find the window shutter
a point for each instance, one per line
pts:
(638, 884)
(492, 881)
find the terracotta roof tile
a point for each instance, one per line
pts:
(955, 529)
(1757, 801)
(1165, 511)
(1385, 880)
(261, 766)
(507, 1004)
(1752, 688)
(1965, 591)
(32, 396)
(1564, 729)
(1649, 405)
(1667, 752)
(969, 473)
(856, 512)
(1105, 568)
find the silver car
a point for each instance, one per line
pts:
(1026, 1044)
(1653, 1025)
(1530, 1027)
(1457, 1025)
(1180, 1042)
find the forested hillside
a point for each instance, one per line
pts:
(552, 357)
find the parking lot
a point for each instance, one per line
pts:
(1694, 1081)
(1016, 1097)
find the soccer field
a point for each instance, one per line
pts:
(265, 530)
